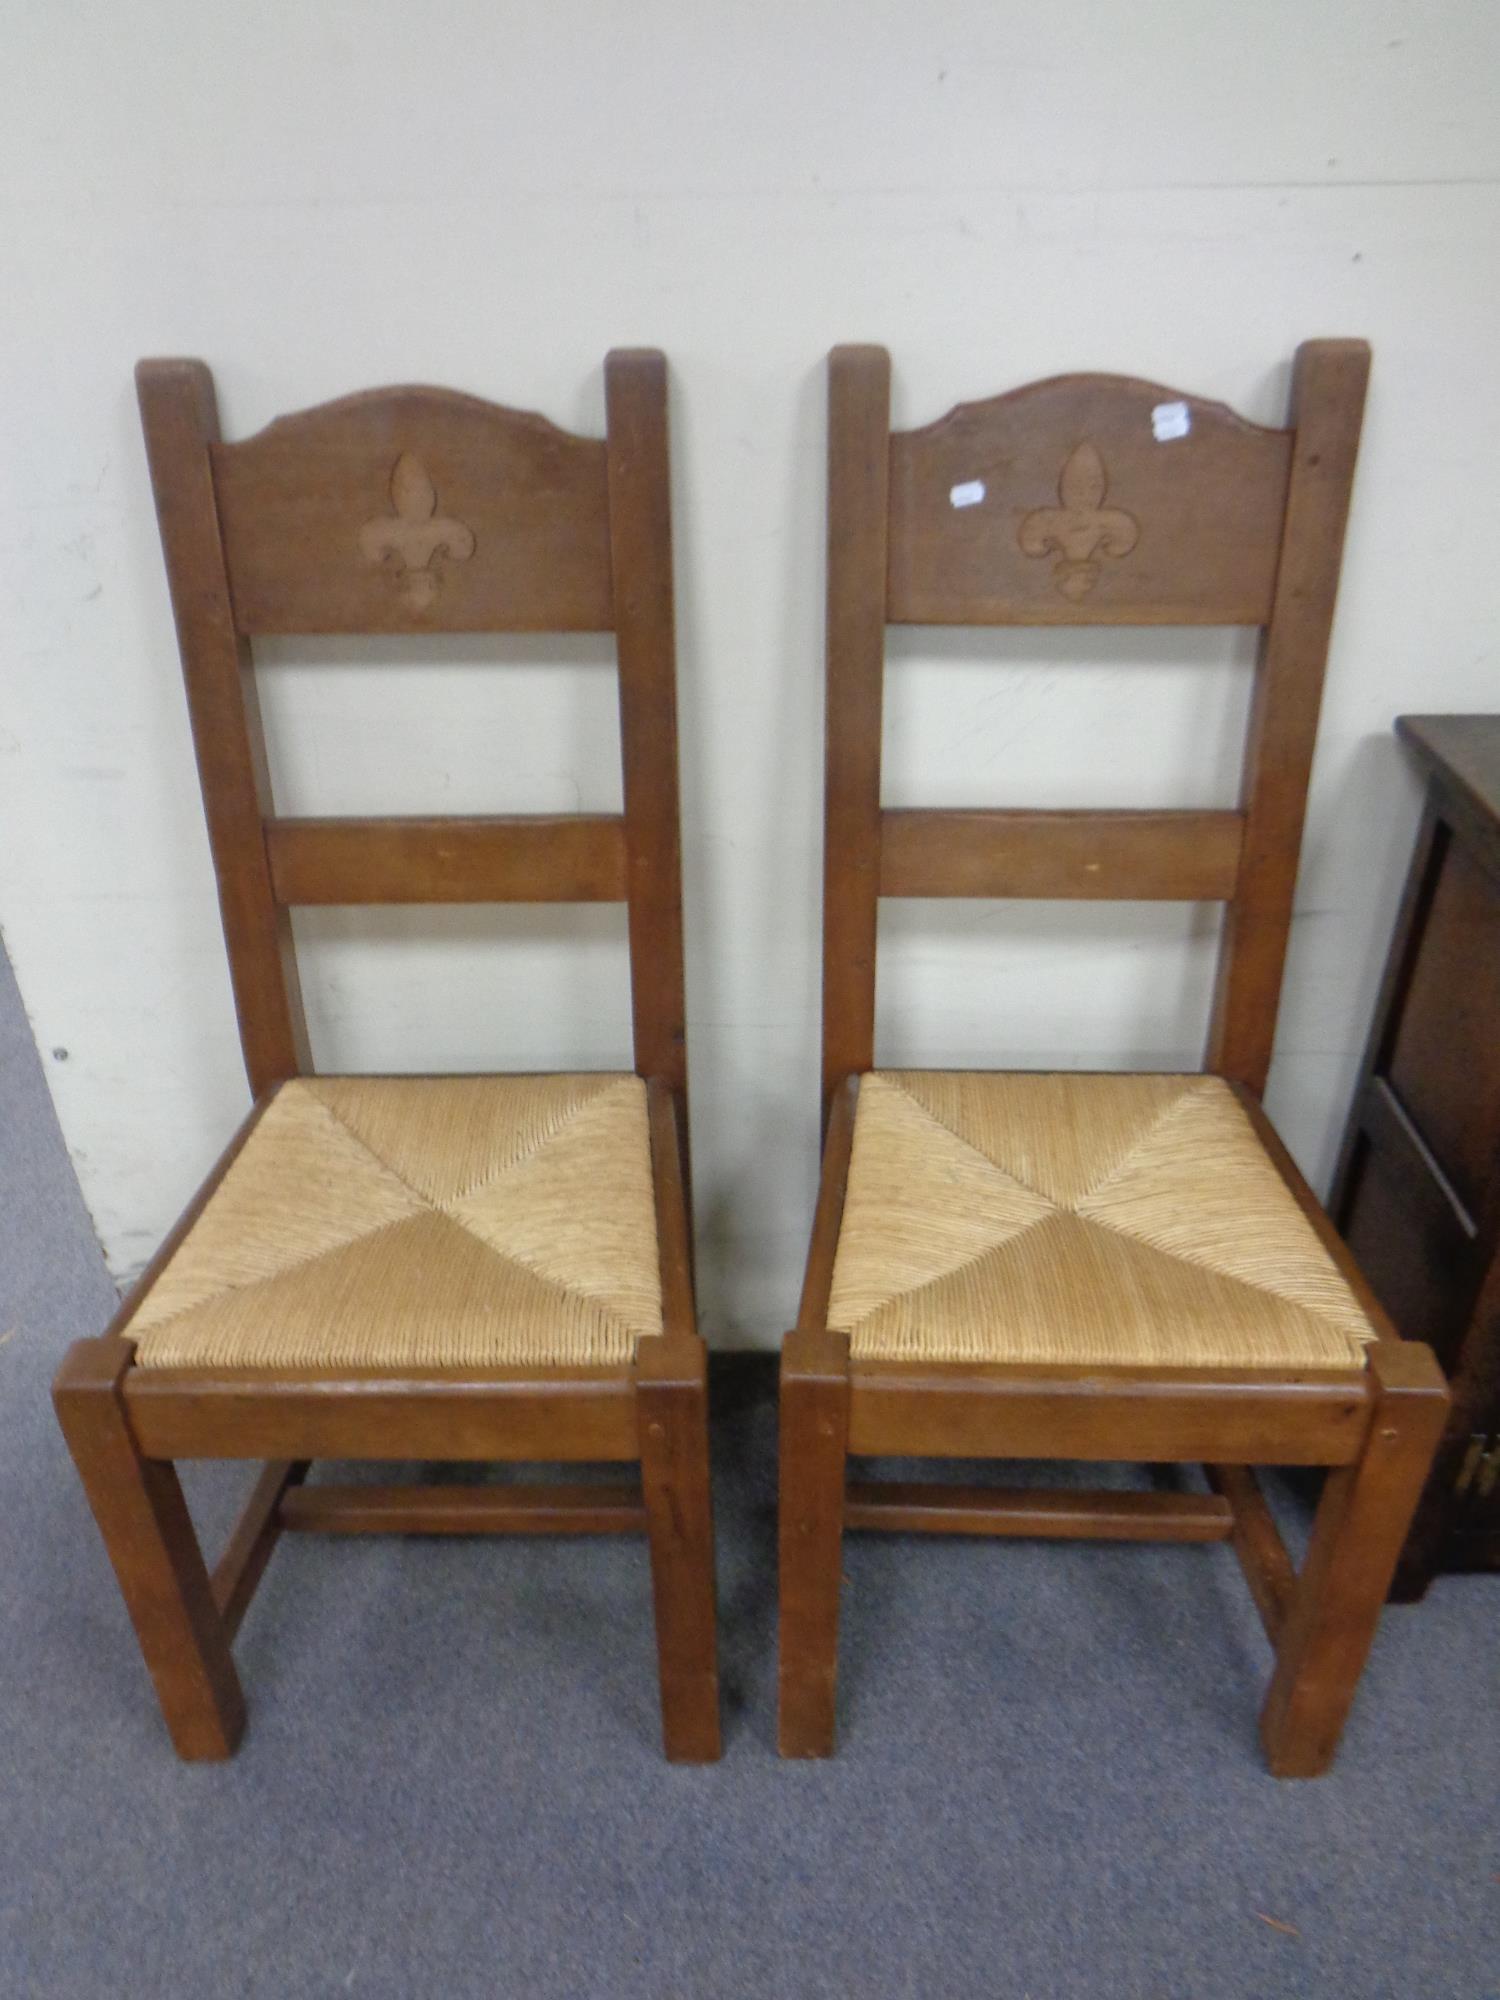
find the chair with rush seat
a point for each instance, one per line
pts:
(463, 1268)
(1097, 1267)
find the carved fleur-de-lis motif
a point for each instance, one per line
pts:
(408, 541)
(1082, 528)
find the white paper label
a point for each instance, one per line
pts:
(968, 495)
(1170, 420)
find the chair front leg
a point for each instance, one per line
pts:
(814, 1454)
(672, 1406)
(1361, 1523)
(148, 1533)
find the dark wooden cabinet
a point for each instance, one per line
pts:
(1417, 1191)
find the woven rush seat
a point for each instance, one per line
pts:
(426, 1222)
(1127, 1220)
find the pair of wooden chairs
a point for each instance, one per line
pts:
(1007, 1266)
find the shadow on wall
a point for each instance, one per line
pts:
(53, 1284)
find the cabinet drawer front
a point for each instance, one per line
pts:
(1445, 1064)
(1412, 1248)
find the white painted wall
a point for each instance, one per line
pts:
(488, 194)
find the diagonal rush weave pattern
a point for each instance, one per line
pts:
(421, 1222)
(1126, 1220)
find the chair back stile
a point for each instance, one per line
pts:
(417, 510)
(1083, 500)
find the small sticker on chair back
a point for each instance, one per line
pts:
(968, 494)
(1170, 420)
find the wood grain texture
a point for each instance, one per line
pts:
(566, 858)
(1429, 852)
(612, 1509)
(1461, 757)
(252, 1540)
(535, 1413)
(415, 510)
(1328, 399)
(180, 420)
(1185, 530)
(143, 1518)
(1444, 1059)
(674, 1239)
(859, 395)
(1061, 1515)
(1475, 1389)
(1360, 1526)
(483, 519)
(1417, 1192)
(1080, 500)
(640, 526)
(1226, 522)
(817, 1284)
(814, 1444)
(1417, 1171)
(304, 503)
(1456, 1526)
(1257, 1542)
(1149, 856)
(1408, 1230)
(672, 1407)
(1144, 1416)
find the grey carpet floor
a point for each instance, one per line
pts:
(1048, 1783)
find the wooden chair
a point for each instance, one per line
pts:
(1028, 1266)
(415, 1268)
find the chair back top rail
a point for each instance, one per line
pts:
(412, 510)
(1086, 500)
(1083, 500)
